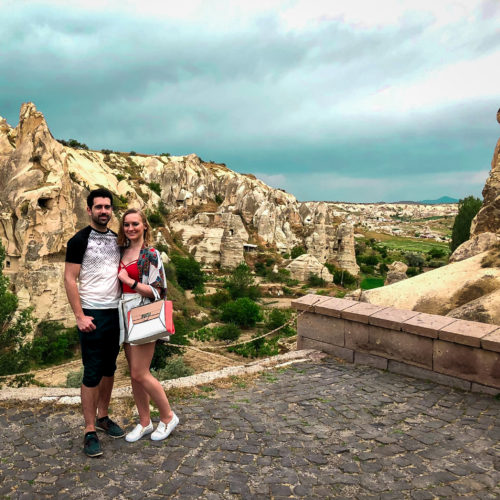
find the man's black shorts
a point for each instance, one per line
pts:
(100, 347)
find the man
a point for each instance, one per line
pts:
(92, 258)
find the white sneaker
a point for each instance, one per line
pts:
(138, 432)
(163, 430)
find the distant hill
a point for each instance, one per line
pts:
(443, 199)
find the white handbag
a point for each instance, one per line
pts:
(150, 322)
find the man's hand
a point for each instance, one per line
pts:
(85, 324)
(123, 276)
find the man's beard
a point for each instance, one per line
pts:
(101, 220)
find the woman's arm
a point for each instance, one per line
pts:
(144, 290)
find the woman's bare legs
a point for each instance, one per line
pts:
(144, 385)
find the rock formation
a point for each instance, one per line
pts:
(397, 272)
(306, 265)
(43, 187)
(488, 217)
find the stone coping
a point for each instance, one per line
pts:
(62, 395)
(469, 333)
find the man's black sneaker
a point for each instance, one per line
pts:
(109, 427)
(91, 445)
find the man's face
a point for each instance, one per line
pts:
(100, 213)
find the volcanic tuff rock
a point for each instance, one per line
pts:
(397, 272)
(488, 217)
(305, 266)
(43, 187)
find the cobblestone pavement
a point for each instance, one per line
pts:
(313, 430)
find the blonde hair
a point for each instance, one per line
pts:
(122, 239)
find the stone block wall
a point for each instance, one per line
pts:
(454, 352)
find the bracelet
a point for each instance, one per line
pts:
(134, 285)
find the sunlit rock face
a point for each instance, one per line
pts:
(488, 218)
(304, 266)
(215, 211)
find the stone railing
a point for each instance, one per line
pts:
(453, 352)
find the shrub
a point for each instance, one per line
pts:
(277, 318)
(467, 210)
(241, 284)
(257, 348)
(436, 253)
(189, 273)
(73, 143)
(413, 271)
(365, 269)
(219, 298)
(342, 277)
(120, 177)
(74, 379)
(243, 312)
(133, 153)
(297, 251)
(315, 280)
(230, 331)
(414, 259)
(14, 354)
(174, 368)
(165, 154)
(155, 186)
(106, 151)
(53, 343)
(371, 260)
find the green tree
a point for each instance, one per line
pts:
(188, 271)
(243, 312)
(467, 210)
(241, 283)
(14, 354)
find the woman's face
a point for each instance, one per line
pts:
(133, 227)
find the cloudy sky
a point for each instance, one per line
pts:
(351, 100)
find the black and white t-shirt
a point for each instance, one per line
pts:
(99, 256)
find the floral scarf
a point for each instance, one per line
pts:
(151, 271)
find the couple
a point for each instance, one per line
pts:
(105, 265)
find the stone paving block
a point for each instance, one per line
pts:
(426, 324)
(466, 332)
(334, 306)
(360, 311)
(391, 318)
(476, 365)
(308, 302)
(422, 373)
(322, 328)
(338, 352)
(491, 341)
(362, 358)
(389, 344)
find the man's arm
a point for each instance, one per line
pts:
(71, 273)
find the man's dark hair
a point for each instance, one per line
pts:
(98, 193)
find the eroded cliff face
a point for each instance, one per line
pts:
(488, 217)
(43, 190)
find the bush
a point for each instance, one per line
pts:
(243, 312)
(241, 284)
(414, 259)
(74, 379)
(53, 343)
(467, 210)
(174, 368)
(315, 280)
(257, 348)
(276, 319)
(219, 298)
(155, 186)
(342, 277)
(297, 252)
(413, 271)
(436, 253)
(365, 269)
(14, 353)
(230, 331)
(189, 273)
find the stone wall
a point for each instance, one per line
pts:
(454, 352)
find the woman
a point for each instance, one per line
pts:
(142, 275)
